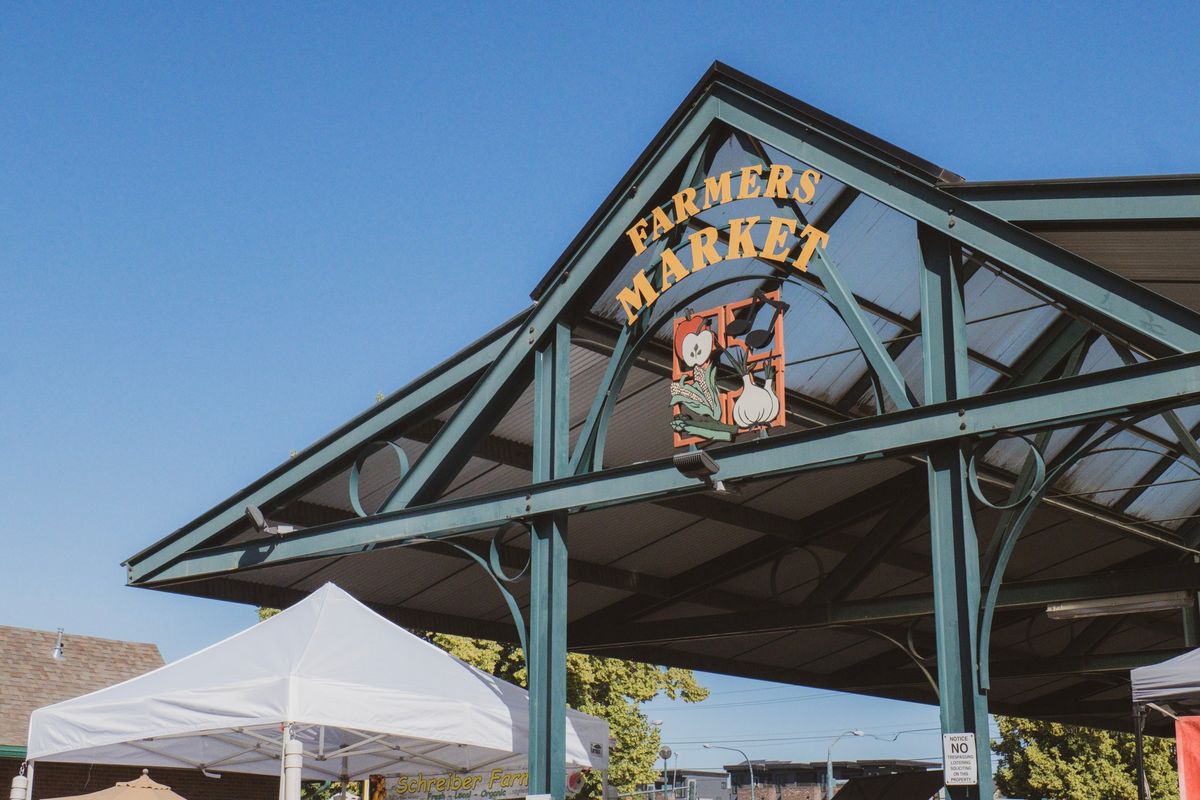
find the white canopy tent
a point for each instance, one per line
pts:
(361, 694)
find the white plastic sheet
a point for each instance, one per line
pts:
(364, 695)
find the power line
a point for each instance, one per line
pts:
(812, 738)
(773, 701)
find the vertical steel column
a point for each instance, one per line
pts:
(955, 548)
(547, 657)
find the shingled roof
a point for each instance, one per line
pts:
(30, 678)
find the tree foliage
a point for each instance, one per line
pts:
(1051, 761)
(608, 688)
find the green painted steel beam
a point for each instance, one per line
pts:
(331, 453)
(953, 542)
(1112, 200)
(480, 411)
(1029, 667)
(1032, 594)
(781, 536)
(12, 751)
(1101, 295)
(547, 656)
(1173, 381)
(589, 449)
(883, 536)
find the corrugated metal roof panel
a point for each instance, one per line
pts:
(803, 495)
(1118, 463)
(993, 329)
(1174, 496)
(875, 249)
(685, 548)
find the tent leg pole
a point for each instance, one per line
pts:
(547, 657)
(293, 768)
(287, 737)
(1139, 723)
(20, 787)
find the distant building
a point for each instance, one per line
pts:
(805, 780)
(692, 784)
(30, 677)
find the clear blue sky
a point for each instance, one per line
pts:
(224, 227)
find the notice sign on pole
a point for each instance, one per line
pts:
(958, 759)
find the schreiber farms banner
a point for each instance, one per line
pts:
(489, 784)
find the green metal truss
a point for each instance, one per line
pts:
(485, 380)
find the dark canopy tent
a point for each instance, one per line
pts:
(1170, 688)
(946, 332)
(901, 786)
(1174, 682)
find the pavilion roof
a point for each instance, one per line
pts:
(823, 577)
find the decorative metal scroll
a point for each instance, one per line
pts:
(1020, 508)
(356, 469)
(492, 564)
(495, 571)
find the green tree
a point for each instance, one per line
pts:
(1051, 761)
(608, 688)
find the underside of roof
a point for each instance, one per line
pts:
(821, 577)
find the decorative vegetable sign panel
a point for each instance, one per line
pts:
(727, 370)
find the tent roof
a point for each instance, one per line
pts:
(353, 685)
(1174, 680)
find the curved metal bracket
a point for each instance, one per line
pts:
(366, 452)
(495, 571)
(1027, 505)
(909, 650)
(773, 579)
(1038, 480)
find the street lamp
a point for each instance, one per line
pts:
(743, 755)
(829, 761)
(664, 752)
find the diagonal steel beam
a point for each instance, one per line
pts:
(479, 412)
(1166, 382)
(888, 532)
(876, 611)
(515, 558)
(783, 536)
(1112, 302)
(441, 385)
(856, 680)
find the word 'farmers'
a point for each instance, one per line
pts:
(718, 190)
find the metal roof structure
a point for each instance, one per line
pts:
(991, 395)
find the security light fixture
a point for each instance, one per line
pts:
(57, 652)
(255, 515)
(259, 521)
(698, 464)
(1112, 606)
